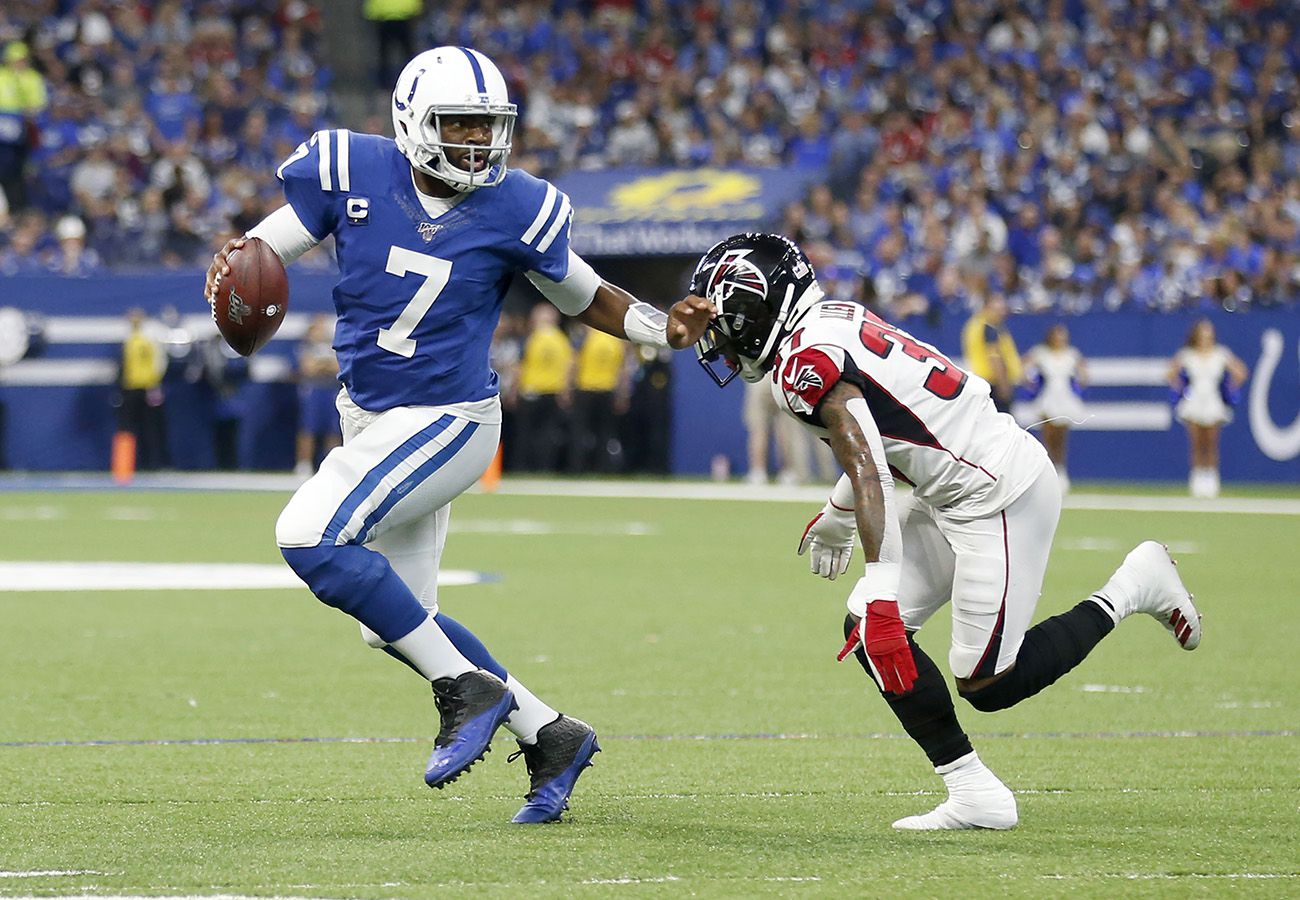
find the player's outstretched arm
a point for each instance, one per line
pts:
(615, 311)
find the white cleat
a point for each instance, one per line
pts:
(1147, 582)
(976, 799)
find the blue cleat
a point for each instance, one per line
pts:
(563, 749)
(472, 706)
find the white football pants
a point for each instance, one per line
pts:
(990, 569)
(391, 484)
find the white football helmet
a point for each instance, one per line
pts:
(448, 81)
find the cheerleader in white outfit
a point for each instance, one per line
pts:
(1058, 373)
(1205, 375)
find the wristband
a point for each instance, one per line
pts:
(880, 583)
(643, 324)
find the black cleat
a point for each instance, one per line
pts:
(563, 749)
(471, 706)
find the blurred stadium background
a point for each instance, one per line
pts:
(1124, 167)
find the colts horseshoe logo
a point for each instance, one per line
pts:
(1276, 442)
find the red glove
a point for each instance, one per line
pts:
(885, 640)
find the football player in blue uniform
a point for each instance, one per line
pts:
(429, 229)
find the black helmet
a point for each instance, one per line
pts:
(754, 281)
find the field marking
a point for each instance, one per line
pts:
(775, 736)
(1174, 876)
(1114, 545)
(49, 873)
(1112, 689)
(147, 576)
(629, 489)
(629, 879)
(539, 527)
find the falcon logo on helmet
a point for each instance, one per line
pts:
(759, 284)
(734, 272)
(448, 82)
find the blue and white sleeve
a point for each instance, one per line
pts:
(546, 237)
(315, 176)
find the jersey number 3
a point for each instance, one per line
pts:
(945, 380)
(436, 272)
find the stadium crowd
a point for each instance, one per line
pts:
(1064, 154)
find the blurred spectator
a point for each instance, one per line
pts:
(22, 98)
(395, 27)
(765, 427)
(506, 353)
(318, 387)
(545, 391)
(1120, 156)
(599, 397)
(221, 373)
(990, 350)
(140, 399)
(73, 258)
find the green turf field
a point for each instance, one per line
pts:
(739, 758)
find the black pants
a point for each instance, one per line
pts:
(541, 433)
(142, 416)
(595, 446)
(395, 35)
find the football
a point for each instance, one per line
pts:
(251, 300)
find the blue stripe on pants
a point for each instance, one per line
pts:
(375, 475)
(413, 480)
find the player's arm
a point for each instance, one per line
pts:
(855, 441)
(854, 453)
(615, 311)
(608, 308)
(282, 230)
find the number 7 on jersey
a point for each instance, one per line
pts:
(436, 272)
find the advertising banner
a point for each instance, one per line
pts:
(637, 212)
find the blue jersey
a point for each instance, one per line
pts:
(418, 297)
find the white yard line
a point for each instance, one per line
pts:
(632, 489)
(153, 576)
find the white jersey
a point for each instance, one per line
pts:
(1202, 403)
(939, 428)
(1058, 369)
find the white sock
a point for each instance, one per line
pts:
(531, 715)
(432, 652)
(954, 770)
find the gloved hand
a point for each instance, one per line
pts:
(884, 639)
(828, 540)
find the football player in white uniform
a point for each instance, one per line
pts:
(976, 532)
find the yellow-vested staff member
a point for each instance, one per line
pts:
(545, 385)
(596, 401)
(140, 412)
(991, 352)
